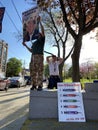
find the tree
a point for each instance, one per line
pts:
(96, 70)
(55, 26)
(80, 17)
(87, 70)
(14, 67)
(46, 70)
(70, 72)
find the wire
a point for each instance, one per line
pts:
(16, 10)
(11, 19)
(13, 25)
(13, 22)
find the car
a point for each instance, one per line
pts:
(4, 83)
(28, 79)
(17, 81)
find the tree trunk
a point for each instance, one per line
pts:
(61, 71)
(75, 59)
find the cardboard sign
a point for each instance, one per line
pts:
(30, 24)
(70, 103)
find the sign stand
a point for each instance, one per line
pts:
(70, 103)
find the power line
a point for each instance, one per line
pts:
(16, 10)
(13, 25)
(11, 19)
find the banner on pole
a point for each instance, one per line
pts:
(30, 24)
(2, 10)
(70, 103)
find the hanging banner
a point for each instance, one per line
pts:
(70, 103)
(2, 10)
(30, 24)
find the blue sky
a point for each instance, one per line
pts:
(15, 47)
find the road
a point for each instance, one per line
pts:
(14, 107)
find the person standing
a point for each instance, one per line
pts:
(54, 78)
(36, 64)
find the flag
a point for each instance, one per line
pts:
(30, 24)
(2, 10)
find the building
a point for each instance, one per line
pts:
(3, 57)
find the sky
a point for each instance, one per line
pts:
(12, 23)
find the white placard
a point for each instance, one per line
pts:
(70, 103)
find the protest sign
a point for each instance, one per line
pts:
(70, 103)
(30, 24)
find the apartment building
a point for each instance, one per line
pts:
(3, 57)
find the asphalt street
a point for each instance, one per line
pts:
(14, 107)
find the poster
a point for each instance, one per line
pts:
(30, 24)
(70, 103)
(2, 10)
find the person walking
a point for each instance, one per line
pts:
(54, 78)
(36, 64)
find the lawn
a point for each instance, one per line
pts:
(82, 81)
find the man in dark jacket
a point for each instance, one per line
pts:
(36, 64)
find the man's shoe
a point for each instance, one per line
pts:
(33, 87)
(39, 88)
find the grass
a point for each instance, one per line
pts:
(82, 81)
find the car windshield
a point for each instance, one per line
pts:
(27, 77)
(2, 77)
(15, 78)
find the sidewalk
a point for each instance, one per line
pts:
(15, 125)
(53, 124)
(14, 108)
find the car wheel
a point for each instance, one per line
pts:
(6, 87)
(19, 86)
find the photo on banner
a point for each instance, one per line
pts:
(2, 10)
(30, 24)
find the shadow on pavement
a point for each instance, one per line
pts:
(9, 100)
(14, 120)
(15, 125)
(13, 92)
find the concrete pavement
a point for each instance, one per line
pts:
(14, 107)
(53, 124)
(14, 125)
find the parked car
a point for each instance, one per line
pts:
(17, 81)
(4, 83)
(28, 79)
